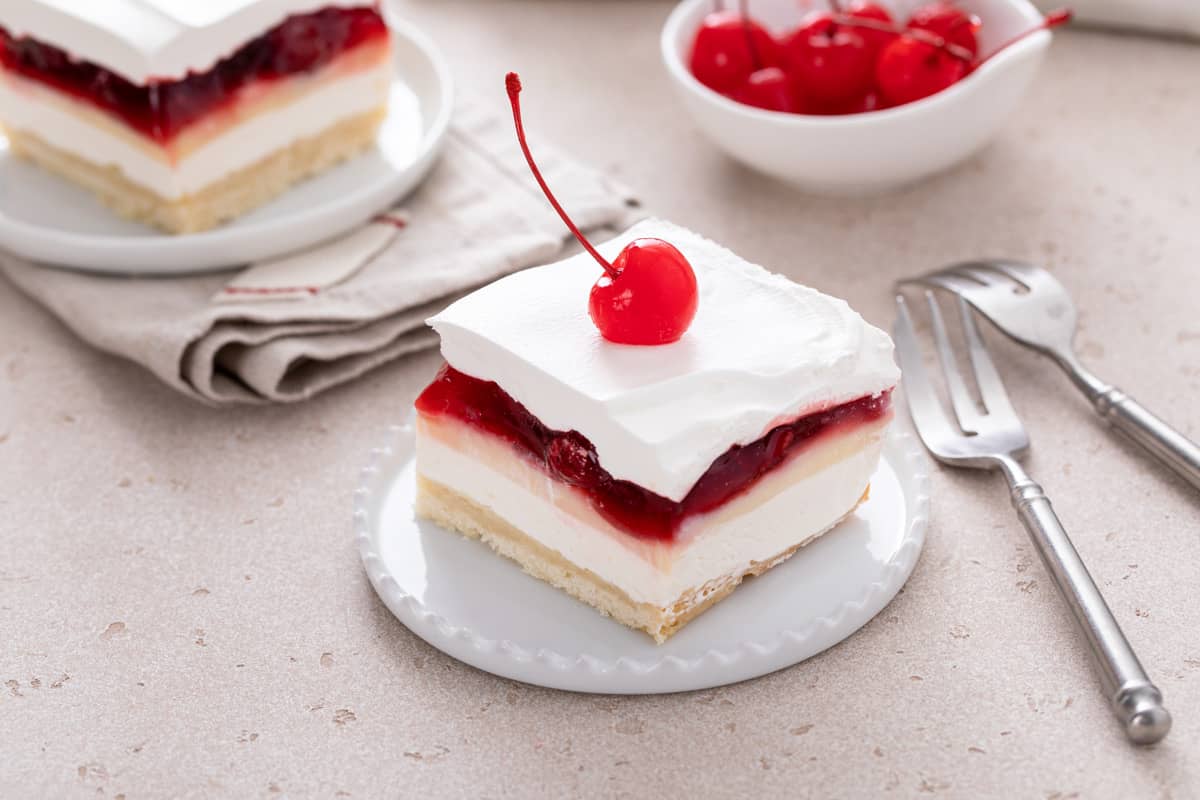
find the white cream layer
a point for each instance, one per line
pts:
(710, 547)
(144, 39)
(761, 350)
(55, 118)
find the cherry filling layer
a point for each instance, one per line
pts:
(569, 457)
(162, 108)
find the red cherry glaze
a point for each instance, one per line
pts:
(909, 70)
(728, 47)
(653, 298)
(648, 294)
(830, 60)
(162, 109)
(953, 24)
(769, 88)
(569, 457)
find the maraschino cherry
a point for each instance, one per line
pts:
(948, 21)
(829, 59)
(648, 294)
(875, 25)
(728, 48)
(769, 88)
(851, 59)
(910, 69)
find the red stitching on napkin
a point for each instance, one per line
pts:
(399, 222)
(269, 290)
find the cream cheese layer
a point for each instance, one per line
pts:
(801, 499)
(76, 128)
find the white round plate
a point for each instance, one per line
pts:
(45, 218)
(480, 608)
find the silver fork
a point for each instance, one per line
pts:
(992, 437)
(1028, 304)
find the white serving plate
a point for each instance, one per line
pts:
(50, 220)
(480, 608)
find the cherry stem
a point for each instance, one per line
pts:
(512, 82)
(1053, 19)
(743, 12)
(919, 34)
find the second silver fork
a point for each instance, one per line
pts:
(1029, 305)
(991, 436)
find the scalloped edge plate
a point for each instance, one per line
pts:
(479, 608)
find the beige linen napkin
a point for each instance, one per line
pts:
(478, 216)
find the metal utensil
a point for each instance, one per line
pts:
(991, 436)
(1028, 304)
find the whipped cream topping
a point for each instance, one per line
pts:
(160, 39)
(761, 350)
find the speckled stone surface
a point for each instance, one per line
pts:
(183, 613)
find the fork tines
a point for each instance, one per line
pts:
(996, 415)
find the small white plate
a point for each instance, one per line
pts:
(480, 608)
(47, 219)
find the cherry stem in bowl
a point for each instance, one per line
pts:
(919, 34)
(1052, 20)
(744, 13)
(512, 82)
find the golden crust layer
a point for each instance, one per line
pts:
(454, 511)
(233, 195)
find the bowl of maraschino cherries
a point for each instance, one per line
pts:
(854, 96)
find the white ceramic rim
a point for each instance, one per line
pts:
(559, 671)
(673, 59)
(113, 254)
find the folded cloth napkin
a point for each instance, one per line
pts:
(285, 330)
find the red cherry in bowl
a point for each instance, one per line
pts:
(909, 69)
(769, 88)
(953, 24)
(648, 294)
(728, 47)
(873, 23)
(831, 60)
(859, 105)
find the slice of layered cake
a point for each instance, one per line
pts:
(648, 481)
(185, 114)
(697, 420)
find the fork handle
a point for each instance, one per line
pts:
(1136, 701)
(1167, 444)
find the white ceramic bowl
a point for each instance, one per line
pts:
(875, 151)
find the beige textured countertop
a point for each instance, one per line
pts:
(183, 613)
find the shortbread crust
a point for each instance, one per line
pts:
(231, 196)
(456, 512)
